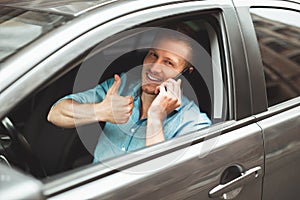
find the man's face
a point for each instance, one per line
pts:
(165, 60)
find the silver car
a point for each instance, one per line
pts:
(246, 79)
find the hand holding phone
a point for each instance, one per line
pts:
(168, 99)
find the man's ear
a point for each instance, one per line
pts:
(191, 68)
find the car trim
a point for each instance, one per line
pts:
(279, 108)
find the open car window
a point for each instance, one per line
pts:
(57, 149)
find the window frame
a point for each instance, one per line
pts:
(159, 149)
(181, 141)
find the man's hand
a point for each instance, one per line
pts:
(167, 100)
(114, 108)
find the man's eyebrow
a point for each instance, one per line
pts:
(173, 60)
(169, 59)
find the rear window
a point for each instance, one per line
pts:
(278, 34)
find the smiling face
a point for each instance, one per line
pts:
(165, 60)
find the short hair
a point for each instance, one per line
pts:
(179, 32)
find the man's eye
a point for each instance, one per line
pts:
(152, 54)
(169, 63)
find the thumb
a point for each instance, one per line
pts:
(115, 86)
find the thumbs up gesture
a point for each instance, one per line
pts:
(114, 108)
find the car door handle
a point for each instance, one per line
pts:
(245, 177)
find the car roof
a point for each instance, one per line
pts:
(62, 7)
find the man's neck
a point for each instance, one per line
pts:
(146, 100)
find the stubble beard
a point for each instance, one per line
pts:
(149, 88)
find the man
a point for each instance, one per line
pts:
(159, 111)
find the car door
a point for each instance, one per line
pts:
(277, 29)
(225, 160)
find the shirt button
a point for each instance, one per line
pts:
(123, 149)
(132, 130)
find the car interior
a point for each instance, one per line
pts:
(43, 149)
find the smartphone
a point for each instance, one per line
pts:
(184, 71)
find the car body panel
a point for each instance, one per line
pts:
(189, 173)
(187, 167)
(282, 150)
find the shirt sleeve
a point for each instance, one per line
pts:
(192, 120)
(94, 95)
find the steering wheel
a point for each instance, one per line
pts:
(23, 151)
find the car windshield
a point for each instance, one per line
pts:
(19, 28)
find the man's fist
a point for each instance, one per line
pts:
(114, 108)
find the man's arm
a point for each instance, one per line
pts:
(116, 109)
(154, 131)
(168, 99)
(68, 113)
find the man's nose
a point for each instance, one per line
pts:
(156, 67)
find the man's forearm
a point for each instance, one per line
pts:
(68, 114)
(154, 133)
